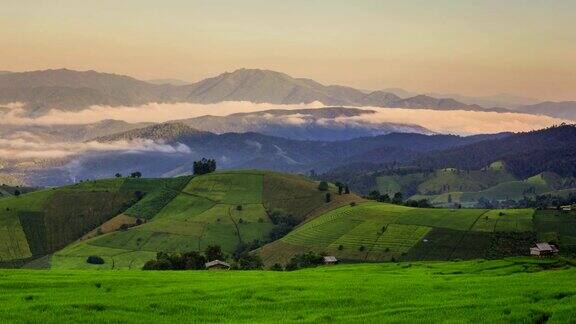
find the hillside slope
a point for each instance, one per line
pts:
(229, 209)
(524, 154)
(382, 232)
(39, 223)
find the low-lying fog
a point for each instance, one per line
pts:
(22, 146)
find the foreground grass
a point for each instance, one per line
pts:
(515, 290)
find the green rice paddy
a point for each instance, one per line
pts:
(502, 291)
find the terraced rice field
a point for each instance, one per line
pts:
(222, 208)
(379, 232)
(206, 212)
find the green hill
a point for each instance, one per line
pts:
(42, 222)
(467, 187)
(126, 221)
(9, 191)
(544, 183)
(444, 181)
(381, 232)
(224, 208)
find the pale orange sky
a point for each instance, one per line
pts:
(470, 47)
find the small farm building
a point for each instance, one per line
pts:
(330, 260)
(217, 265)
(543, 249)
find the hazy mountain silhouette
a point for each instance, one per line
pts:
(74, 90)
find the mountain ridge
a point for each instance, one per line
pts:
(75, 90)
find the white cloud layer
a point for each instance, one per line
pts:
(25, 145)
(22, 148)
(450, 121)
(458, 121)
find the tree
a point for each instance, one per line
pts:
(139, 195)
(176, 261)
(250, 262)
(305, 260)
(213, 252)
(323, 186)
(347, 190)
(397, 198)
(136, 174)
(17, 192)
(283, 224)
(328, 197)
(204, 166)
(118, 175)
(94, 259)
(374, 195)
(340, 187)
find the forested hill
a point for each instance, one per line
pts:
(525, 154)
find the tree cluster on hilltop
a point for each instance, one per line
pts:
(204, 166)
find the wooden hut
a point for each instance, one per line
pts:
(330, 260)
(543, 249)
(217, 265)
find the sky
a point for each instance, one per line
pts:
(470, 47)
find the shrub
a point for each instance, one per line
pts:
(305, 260)
(213, 252)
(340, 247)
(249, 262)
(176, 261)
(276, 267)
(239, 207)
(361, 248)
(94, 259)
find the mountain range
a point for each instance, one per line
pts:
(66, 89)
(565, 110)
(324, 124)
(523, 155)
(73, 90)
(234, 150)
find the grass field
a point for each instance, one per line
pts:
(510, 291)
(374, 231)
